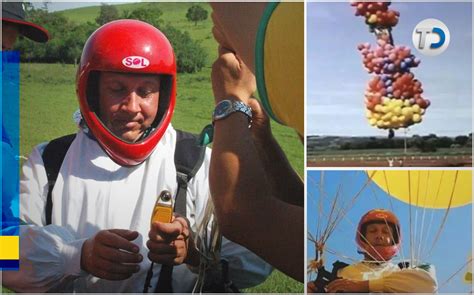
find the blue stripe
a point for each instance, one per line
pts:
(9, 264)
(10, 119)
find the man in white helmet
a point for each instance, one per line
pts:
(91, 231)
(379, 239)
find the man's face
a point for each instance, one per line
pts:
(128, 103)
(379, 234)
(9, 35)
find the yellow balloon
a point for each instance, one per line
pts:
(416, 118)
(378, 108)
(397, 110)
(368, 114)
(372, 19)
(373, 121)
(426, 188)
(387, 117)
(416, 108)
(407, 112)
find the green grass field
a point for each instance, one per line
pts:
(48, 101)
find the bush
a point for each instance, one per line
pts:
(190, 56)
(196, 13)
(107, 14)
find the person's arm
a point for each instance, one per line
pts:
(245, 268)
(234, 34)
(286, 184)
(247, 213)
(49, 255)
(52, 255)
(413, 280)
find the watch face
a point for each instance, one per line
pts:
(222, 109)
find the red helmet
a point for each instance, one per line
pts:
(126, 46)
(383, 253)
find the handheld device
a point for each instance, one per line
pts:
(163, 211)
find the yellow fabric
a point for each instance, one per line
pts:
(427, 188)
(284, 64)
(9, 247)
(468, 274)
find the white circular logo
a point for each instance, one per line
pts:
(135, 62)
(431, 37)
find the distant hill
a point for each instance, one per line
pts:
(173, 13)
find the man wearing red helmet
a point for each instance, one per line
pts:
(98, 237)
(379, 239)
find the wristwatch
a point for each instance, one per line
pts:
(227, 107)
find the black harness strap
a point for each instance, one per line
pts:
(53, 156)
(325, 277)
(188, 158)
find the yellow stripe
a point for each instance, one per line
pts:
(9, 247)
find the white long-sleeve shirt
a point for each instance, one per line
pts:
(388, 277)
(93, 193)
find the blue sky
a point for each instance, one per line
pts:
(449, 253)
(336, 79)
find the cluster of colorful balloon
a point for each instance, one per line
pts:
(394, 101)
(393, 113)
(376, 14)
(393, 96)
(387, 59)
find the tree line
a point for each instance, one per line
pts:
(68, 37)
(426, 143)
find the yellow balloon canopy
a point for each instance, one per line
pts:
(426, 188)
(279, 63)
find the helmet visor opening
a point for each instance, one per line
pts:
(393, 228)
(127, 126)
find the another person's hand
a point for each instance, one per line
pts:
(347, 286)
(111, 255)
(169, 243)
(231, 78)
(260, 129)
(311, 288)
